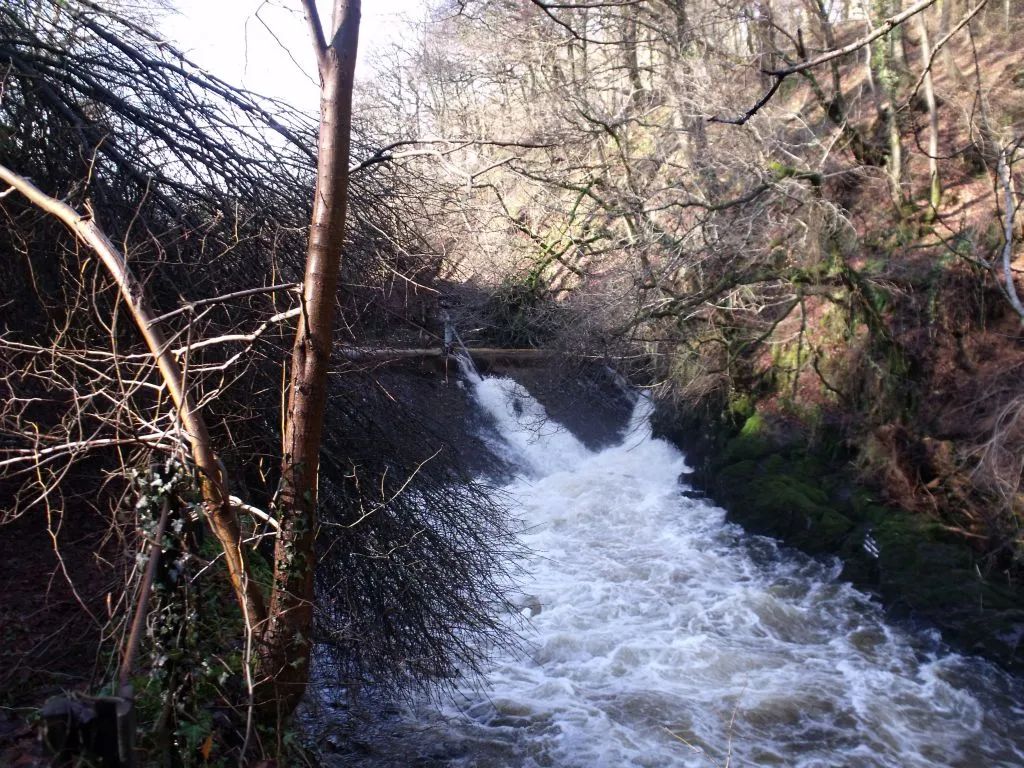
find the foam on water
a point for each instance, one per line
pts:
(666, 636)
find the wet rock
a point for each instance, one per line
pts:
(528, 605)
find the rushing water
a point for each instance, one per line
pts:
(661, 635)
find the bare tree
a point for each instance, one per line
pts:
(197, 196)
(703, 205)
(288, 632)
(284, 633)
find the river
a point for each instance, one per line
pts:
(659, 634)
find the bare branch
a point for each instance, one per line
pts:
(781, 74)
(35, 457)
(248, 338)
(316, 31)
(754, 109)
(387, 153)
(222, 518)
(938, 47)
(883, 29)
(256, 512)
(193, 305)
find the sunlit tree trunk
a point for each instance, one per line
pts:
(883, 56)
(286, 641)
(935, 184)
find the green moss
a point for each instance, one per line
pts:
(741, 407)
(741, 448)
(773, 464)
(751, 443)
(766, 500)
(834, 324)
(875, 513)
(783, 171)
(754, 426)
(833, 528)
(809, 469)
(784, 490)
(909, 544)
(787, 360)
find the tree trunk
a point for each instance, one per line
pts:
(286, 648)
(935, 186)
(883, 55)
(636, 96)
(948, 59)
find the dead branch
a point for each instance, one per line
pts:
(218, 508)
(192, 306)
(884, 28)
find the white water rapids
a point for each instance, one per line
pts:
(669, 637)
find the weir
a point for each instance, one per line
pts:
(658, 634)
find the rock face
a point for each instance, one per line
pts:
(771, 482)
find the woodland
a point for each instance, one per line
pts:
(228, 469)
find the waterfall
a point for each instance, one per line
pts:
(659, 634)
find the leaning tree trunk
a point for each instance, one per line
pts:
(286, 641)
(216, 502)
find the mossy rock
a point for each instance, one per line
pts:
(833, 528)
(907, 543)
(772, 464)
(731, 484)
(744, 447)
(741, 407)
(809, 469)
(754, 425)
(862, 503)
(928, 570)
(762, 436)
(778, 504)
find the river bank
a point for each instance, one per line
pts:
(763, 470)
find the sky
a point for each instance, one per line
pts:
(264, 45)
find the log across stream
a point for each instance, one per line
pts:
(658, 634)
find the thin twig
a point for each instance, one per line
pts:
(193, 305)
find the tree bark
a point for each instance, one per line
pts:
(935, 185)
(286, 647)
(883, 55)
(636, 96)
(948, 59)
